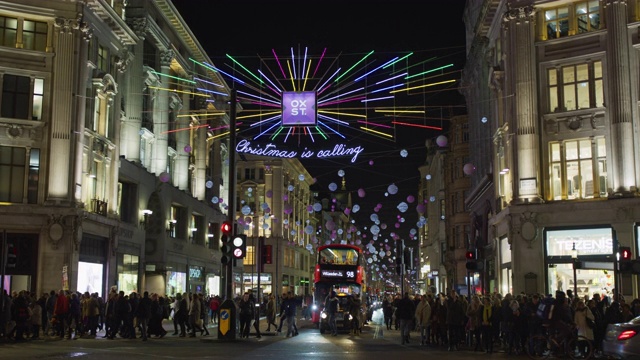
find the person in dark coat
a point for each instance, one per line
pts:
(143, 314)
(405, 312)
(157, 314)
(387, 311)
(455, 320)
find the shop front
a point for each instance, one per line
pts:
(92, 264)
(250, 281)
(176, 282)
(580, 260)
(128, 269)
(196, 279)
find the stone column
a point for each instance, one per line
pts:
(620, 101)
(521, 65)
(64, 85)
(161, 118)
(181, 171)
(122, 65)
(130, 130)
(200, 143)
(81, 106)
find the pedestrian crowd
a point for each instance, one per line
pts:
(502, 323)
(73, 315)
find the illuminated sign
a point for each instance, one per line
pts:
(339, 150)
(338, 274)
(195, 272)
(299, 108)
(332, 273)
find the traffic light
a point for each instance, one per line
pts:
(472, 262)
(225, 249)
(226, 228)
(267, 254)
(239, 246)
(625, 263)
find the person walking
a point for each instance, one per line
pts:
(204, 315)
(143, 314)
(182, 314)
(256, 314)
(331, 306)
(290, 306)
(387, 311)
(355, 307)
(157, 313)
(405, 312)
(271, 313)
(423, 315)
(194, 314)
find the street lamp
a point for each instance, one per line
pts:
(574, 258)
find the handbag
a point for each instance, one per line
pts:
(590, 323)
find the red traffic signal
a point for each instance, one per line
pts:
(226, 228)
(625, 253)
(470, 255)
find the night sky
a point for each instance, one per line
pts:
(249, 30)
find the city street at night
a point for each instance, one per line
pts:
(310, 344)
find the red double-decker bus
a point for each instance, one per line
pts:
(339, 268)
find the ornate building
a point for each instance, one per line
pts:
(106, 150)
(557, 82)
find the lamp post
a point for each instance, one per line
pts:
(574, 259)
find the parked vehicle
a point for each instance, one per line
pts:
(622, 341)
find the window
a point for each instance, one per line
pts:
(38, 96)
(249, 174)
(588, 16)
(249, 259)
(19, 99)
(12, 170)
(578, 169)
(197, 230)
(574, 87)
(127, 198)
(15, 96)
(557, 22)
(8, 31)
(34, 35)
(103, 59)
(34, 176)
